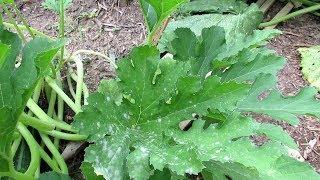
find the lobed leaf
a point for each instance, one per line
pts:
(277, 106)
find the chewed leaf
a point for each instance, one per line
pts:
(277, 106)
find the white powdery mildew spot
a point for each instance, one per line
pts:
(110, 153)
(98, 124)
(227, 158)
(190, 171)
(144, 151)
(126, 116)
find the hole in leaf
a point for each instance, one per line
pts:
(185, 125)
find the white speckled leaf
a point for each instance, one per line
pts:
(234, 25)
(107, 156)
(142, 169)
(157, 95)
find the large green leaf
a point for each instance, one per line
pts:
(157, 96)
(156, 11)
(211, 50)
(141, 134)
(234, 25)
(277, 106)
(17, 84)
(310, 65)
(213, 6)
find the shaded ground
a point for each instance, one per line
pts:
(103, 26)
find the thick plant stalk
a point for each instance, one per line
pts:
(71, 88)
(79, 88)
(48, 160)
(36, 94)
(44, 117)
(55, 153)
(291, 15)
(65, 136)
(65, 97)
(61, 31)
(15, 145)
(60, 107)
(36, 123)
(284, 11)
(35, 156)
(52, 102)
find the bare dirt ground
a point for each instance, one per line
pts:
(105, 27)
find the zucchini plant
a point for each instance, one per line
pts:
(185, 110)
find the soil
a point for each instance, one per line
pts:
(105, 27)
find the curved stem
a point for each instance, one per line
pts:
(84, 51)
(24, 21)
(66, 136)
(55, 153)
(35, 156)
(47, 159)
(37, 173)
(291, 15)
(60, 107)
(36, 123)
(85, 88)
(36, 94)
(65, 97)
(13, 22)
(44, 117)
(52, 102)
(22, 27)
(71, 88)
(79, 81)
(15, 145)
